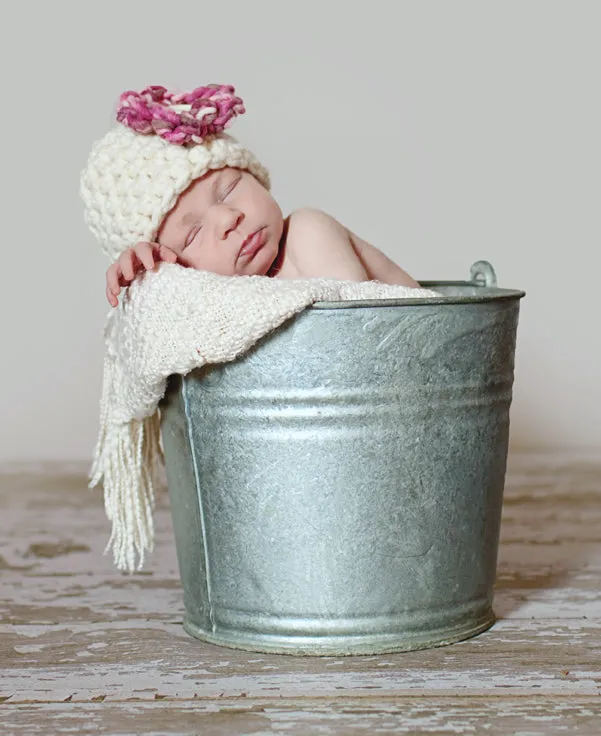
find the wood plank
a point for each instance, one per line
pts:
(425, 715)
(86, 662)
(82, 645)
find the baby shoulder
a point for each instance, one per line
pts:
(310, 220)
(310, 216)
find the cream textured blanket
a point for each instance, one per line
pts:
(171, 321)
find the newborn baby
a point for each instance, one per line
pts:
(168, 184)
(228, 223)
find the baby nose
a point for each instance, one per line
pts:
(228, 219)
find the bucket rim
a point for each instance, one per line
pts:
(489, 294)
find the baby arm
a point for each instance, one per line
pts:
(319, 246)
(378, 265)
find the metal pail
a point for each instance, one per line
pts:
(338, 489)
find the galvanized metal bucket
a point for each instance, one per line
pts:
(338, 489)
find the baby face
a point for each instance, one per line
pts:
(225, 222)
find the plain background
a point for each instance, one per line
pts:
(442, 132)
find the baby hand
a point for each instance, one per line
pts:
(131, 262)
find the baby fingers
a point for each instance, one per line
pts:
(112, 299)
(126, 264)
(113, 275)
(145, 253)
(166, 254)
(133, 260)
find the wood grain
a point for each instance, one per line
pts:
(85, 649)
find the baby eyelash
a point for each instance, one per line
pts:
(192, 235)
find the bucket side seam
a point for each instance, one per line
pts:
(200, 503)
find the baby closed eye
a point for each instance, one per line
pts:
(192, 235)
(229, 189)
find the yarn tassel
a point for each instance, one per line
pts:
(127, 459)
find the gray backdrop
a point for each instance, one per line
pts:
(443, 132)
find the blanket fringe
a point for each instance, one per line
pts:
(127, 459)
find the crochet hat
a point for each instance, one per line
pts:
(164, 142)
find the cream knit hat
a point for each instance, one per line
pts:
(164, 142)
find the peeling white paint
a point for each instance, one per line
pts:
(91, 644)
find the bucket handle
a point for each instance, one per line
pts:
(483, 274)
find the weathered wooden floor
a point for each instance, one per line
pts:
(87, 650)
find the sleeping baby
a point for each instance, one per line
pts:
(169, 185)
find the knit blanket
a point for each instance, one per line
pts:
(174, 320)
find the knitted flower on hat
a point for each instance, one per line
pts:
(164, 142)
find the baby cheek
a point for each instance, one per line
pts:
(190, 255)
(276, 217)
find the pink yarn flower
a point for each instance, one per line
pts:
(182, 117)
